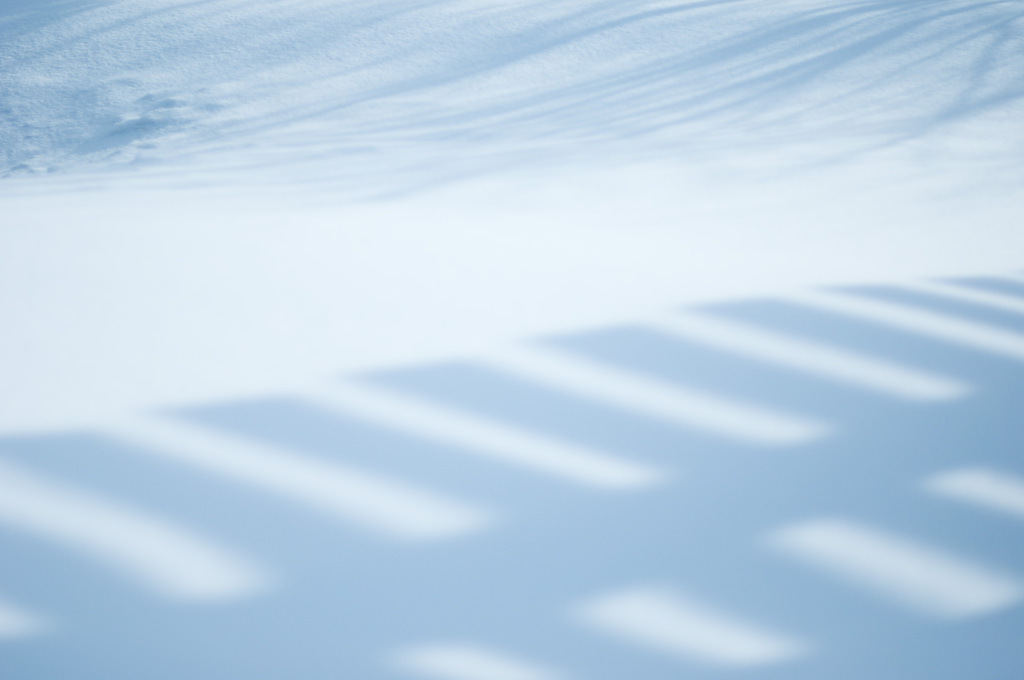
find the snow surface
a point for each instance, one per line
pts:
(220, 196)
(417, 92)
(209, 206)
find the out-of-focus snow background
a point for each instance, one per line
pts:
(211, 202)
(218, 196)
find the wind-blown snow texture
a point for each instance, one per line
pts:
(433, 89)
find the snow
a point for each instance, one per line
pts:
(427, 90)
(209, 201)
(205, 198)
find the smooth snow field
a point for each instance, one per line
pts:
(486, 340)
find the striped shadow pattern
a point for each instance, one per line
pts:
(475, 519)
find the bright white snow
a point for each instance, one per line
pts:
(220, 197)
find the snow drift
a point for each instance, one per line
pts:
(414, 90)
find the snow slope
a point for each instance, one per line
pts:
(187, 183)
(490, 212)
(413, 92)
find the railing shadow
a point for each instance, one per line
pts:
(350, 597)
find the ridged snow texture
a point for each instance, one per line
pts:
(465, 85)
